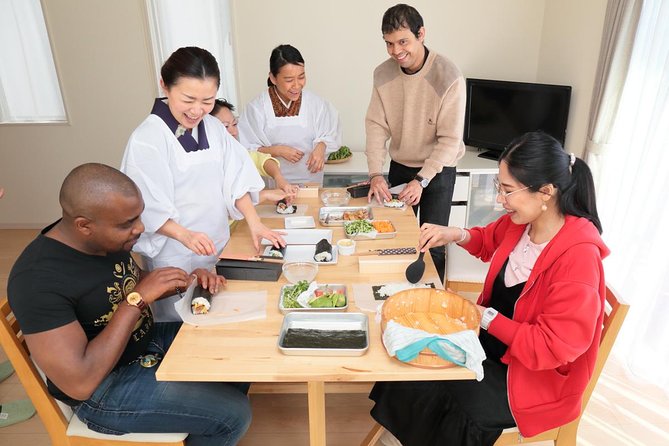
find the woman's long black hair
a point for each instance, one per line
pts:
(536, 159)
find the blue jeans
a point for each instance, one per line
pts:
(131, 400)
(435, 203)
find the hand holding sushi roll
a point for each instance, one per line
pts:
(209, 280)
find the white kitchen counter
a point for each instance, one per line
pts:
(357, 165)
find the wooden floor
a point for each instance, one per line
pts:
(623, 411)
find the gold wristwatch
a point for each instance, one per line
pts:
(135, 299)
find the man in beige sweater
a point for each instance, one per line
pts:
(418, 102)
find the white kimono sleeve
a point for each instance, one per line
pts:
(149, 169)
(240, 176)
(251, 126)
(328, 127)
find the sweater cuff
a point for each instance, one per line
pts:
(503, 328)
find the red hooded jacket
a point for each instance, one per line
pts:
(554, 335)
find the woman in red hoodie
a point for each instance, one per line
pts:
(542, 302)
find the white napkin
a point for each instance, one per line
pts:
(304, 296)
(462, 348)
(226, 307)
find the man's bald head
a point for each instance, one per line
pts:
(88, 188)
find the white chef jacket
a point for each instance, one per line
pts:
(195, 189)
(318, 121)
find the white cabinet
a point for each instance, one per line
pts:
(474, 204)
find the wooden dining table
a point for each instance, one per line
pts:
(248, 351)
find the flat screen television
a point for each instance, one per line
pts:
(498, 111)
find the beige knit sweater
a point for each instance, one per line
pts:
(422, 115)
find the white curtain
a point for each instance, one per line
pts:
(632, 194)
(29, 89)
(202, 23)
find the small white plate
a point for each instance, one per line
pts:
(302, 222)
(304, 253)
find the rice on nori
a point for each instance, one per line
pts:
(282, 207)
(323, 251)
(201, 302)
(279, 253)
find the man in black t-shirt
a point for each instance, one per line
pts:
(82, 304)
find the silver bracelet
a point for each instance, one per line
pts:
(463, 231)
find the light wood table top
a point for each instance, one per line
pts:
(247, 351)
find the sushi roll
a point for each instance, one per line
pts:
(282, 207)
(323, 251)
(279, 253)
(201, 302)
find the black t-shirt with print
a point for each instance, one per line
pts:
(52, 285)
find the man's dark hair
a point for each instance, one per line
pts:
(401, 16)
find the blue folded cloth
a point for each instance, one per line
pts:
(462, 348)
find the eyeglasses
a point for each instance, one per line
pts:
(505, 194)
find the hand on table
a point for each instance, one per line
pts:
(411, 193)
(378, 188)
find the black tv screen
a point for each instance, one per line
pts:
(499, 111)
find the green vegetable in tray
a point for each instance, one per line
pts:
(342, 153)
(290, 294)
(328, 301)
(357, 227)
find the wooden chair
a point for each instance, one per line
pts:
(564, 435)
(63, 427)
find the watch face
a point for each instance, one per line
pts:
(134, 299)
(424, 182)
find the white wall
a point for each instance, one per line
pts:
(105, 67)
(570, 42)
(341, 43)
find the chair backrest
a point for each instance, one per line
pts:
(15, 347)
(613, 319)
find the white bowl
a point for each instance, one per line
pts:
(335, 198)
(296, 271)
(346, 246)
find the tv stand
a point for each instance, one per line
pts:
(490, 155)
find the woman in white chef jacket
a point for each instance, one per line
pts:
(291, 123)
(192, 174)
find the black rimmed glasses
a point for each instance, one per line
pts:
(503, 193)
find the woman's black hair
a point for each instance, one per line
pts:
(190, 61)
(536, 159)
(219, 104)
(401, 16)
(283, 55)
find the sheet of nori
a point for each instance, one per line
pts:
(314, 338)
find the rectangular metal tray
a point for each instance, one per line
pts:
(285, 310)
(326, 211)
(376, 236)
(324, 321)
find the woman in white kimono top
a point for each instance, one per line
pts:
(192, 174)
(289, 122)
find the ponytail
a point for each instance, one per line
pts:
(578, 198)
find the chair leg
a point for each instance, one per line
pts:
(373, 435)
(567, 434)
